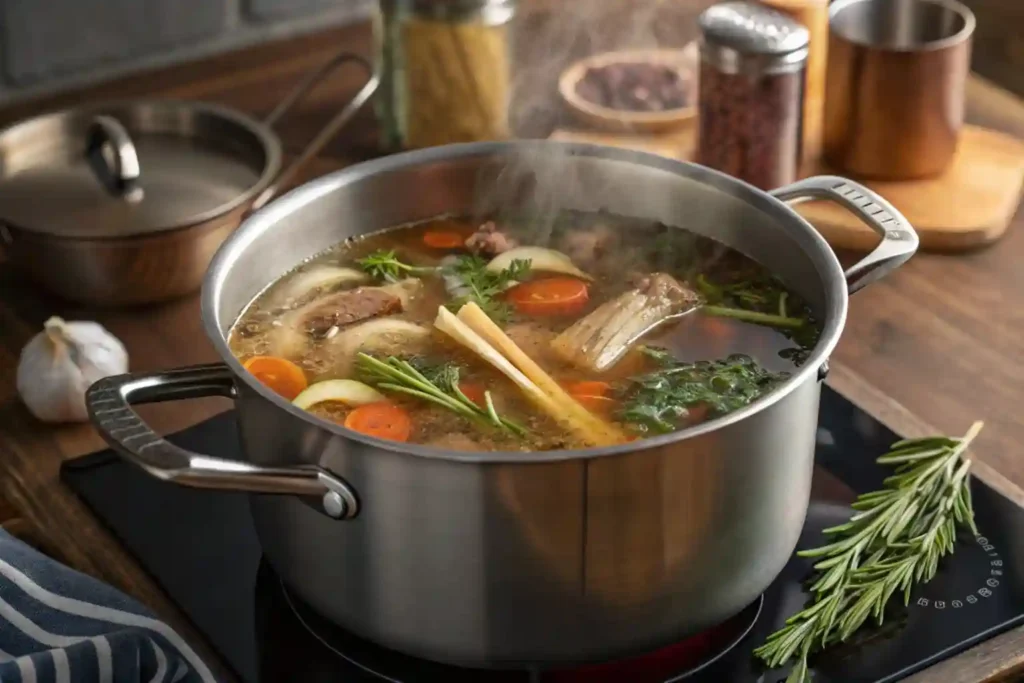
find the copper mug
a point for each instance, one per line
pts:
(897, 72)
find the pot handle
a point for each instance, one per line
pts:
(110, 408)
(328, 131)
(899, 241)
(111, 155)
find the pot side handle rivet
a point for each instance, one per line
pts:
(334, 505)
(823, 371)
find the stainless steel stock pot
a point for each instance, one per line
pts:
(517, 559)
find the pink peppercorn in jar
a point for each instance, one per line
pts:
(753, 64)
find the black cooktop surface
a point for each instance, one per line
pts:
(201, 547)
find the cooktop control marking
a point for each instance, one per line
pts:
(995, 574)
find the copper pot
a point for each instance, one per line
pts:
(126, 203)
(897, 72)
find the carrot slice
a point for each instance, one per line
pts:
(382, 420)
(588, 388)
(279, 374)
(474, 392)
(601, 405)
(594, 395)
(550, 296)
(443, 239)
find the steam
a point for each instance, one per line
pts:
(549, 35)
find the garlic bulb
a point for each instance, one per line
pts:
(61, 362)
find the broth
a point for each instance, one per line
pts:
(647, 328)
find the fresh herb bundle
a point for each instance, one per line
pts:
(893, 542)
(660, 401)
(483, 287)
(435, 384)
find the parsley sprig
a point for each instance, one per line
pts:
(471, 281)
(661, 401)
(384, 264)
(763, 301)
(484, 287)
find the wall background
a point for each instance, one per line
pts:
(47, 46)
(52, 45)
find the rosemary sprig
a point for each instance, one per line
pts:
(893, 542)
(384, 264)
(441, 387)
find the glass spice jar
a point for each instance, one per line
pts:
(445, 71)
(753, 63)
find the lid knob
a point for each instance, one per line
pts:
(112, 156)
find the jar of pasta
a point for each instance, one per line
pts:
(445, 71)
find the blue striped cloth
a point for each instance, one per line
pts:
(60, 626)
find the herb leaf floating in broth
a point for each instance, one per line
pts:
(438, 385)
(384, 264)
(763, 302)
(665, 400)
(481, 286)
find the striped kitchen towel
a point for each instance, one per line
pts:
(60, 626)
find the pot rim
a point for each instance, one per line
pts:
(268, 139)
(836, 295)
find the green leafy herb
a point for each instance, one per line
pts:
(756, 317)
(435, 384)
(483, 287)
(893, 542)
(661, 401)
(762, 300)
(384, 264)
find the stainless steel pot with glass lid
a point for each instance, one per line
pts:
(525, 558)
(126, 203)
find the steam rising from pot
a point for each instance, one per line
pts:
(543, 181)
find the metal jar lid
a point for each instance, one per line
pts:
(490, 12)
(744, 36)
(130, 169)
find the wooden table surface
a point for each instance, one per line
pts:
(936, 345)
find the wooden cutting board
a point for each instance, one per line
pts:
(967, 207)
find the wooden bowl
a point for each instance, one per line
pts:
(594, 115)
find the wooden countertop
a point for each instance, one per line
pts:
(931, 348)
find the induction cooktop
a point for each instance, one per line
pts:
(201, 547)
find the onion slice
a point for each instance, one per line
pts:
(347, 391)
(370, 335)
(321, 277)
(540, 258)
